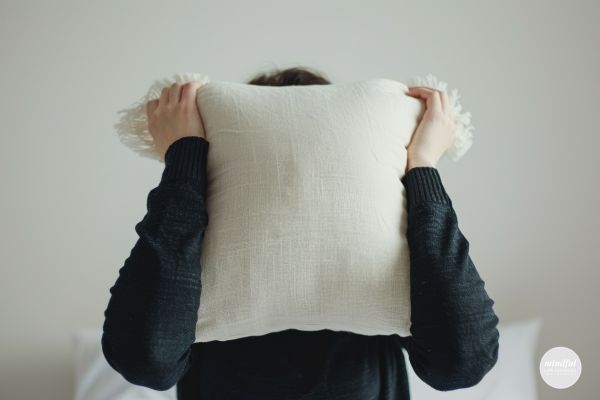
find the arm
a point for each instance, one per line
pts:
(454, 339)
(151, 316)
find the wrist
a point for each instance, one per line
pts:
(424, 185)
(187, 158)
(413, 162)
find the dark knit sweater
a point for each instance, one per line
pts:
(149, 327)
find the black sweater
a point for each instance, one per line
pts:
(150, 321)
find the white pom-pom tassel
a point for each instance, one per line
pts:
(464, 129)
(132, 127)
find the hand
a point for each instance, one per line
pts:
(436, 131)
(174, 115)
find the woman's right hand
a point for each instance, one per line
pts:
(175, 115)
(436, 130)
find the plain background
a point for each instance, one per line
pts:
(526, 194)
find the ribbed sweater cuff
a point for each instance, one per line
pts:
(424, 184)
(187, 158)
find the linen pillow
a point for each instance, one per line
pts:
(307, 211)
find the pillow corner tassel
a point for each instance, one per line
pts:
(132, 127)
(132, 130)
(464, 128)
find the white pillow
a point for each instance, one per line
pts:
(307, 213)
(513, 377)
(95, 379)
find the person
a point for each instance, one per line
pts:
(149, 328)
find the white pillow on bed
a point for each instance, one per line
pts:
(307, 213)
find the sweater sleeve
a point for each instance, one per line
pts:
(151, 316)
(454, 337)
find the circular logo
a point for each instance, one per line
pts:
(560, 367)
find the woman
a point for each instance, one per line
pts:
(150, 321)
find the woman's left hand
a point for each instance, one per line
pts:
(436, 130)
(174, 115)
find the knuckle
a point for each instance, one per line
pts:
(187, 87)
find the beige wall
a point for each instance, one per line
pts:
(526, 194)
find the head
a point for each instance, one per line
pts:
(290, 77)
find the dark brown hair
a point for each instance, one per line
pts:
(290, 77)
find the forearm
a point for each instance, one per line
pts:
(454, 340)
(152, 312)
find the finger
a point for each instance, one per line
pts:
(432, 97)
(445, 102)
(420, 91)
(189, 92)
(164, 97)
(175, 93)
(434, 102)
(151, 107)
